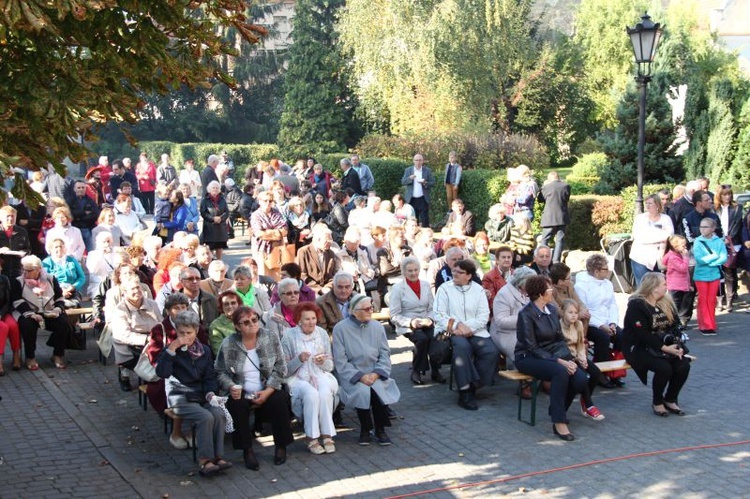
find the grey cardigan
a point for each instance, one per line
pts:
(230, 360)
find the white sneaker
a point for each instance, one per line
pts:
(178, 443)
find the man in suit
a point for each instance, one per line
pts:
(555, 195)
(683, 206)
(209, 174)
(335, 303)
(350, 178)
(542, 260)
(318, 261)
(419, 180)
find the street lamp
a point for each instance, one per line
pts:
(645, 38)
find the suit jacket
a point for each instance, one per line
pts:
(405, 305)
(312, 273)
(466, 220)
(555, 196)
(207, 176)
(206, 286)
(409, 183)
(331, 312)
(351, 179)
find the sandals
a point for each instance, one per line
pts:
(208, 469)
(223, 465)
(58, 362)
(329, 446)
(314, 447)
(32, 365)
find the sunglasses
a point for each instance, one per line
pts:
(366, 309)
(290, 293)
(191, 279)
(249, 321)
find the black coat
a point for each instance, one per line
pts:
(5, 300)
(208, 175)
(555, 196)
(539, 335)
(18, 241)
(214, 232)
(351, 180)
(85, 212)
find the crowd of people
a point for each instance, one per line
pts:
(290, 331)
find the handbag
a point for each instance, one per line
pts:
(76, 339)
(105, 341)
(619, 373)
(272, 260)
(732, 256)
(144, 368)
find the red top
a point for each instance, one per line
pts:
(415, 286)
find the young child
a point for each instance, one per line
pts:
(574, 335)
(676, 260)
(162, 210)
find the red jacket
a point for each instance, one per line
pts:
(146, 176)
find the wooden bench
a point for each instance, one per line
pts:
(79, 311)
(170, 419)
(605, 367)
(383, 316)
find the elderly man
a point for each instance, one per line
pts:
(335, 303)
(683, 206)
(208, 174)
(542, 260)
(418, 180)
(461, 221)
(202, 303)
(349, 178)
(216, 282)
(461, 311)
(318, 261)
(445, 274)
(555, 195)
(366, 180)
(355, 259)
(85, 213)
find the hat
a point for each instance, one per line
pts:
(93, 170)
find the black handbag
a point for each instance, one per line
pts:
(76, 339)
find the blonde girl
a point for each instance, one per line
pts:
(676, 262)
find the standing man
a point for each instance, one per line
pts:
(85, 213)
(452, 177)
(418, 180)
(208, 174)
(350, 178)
(366, 179)
(166, 174)
(555, 195)
(683, 206)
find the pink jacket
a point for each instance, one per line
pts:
(678, 275)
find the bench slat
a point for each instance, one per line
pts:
(515, 376)
(612, 365)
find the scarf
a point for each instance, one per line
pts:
(484, 261)
(309, 371)
(288, 314)
(415, 286)
(248, 298)
(214, 200)
(38, 286)
(196, 349)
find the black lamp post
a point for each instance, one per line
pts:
(645, 38)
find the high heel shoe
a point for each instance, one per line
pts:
(568, 437)
(662, 414)
(674, 410)
(279, 456)
(251, 462)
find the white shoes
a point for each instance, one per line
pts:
(179, 443)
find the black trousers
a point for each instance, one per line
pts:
(670, 373)
(602, 340)
(593, 373)
(275, 410)
(421, 210)
(378, 411)
(684, 300)
(428, 351)
(58, 327)
(147, 200)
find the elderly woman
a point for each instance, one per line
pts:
(292, 270)
(307, 350)
(505, 308)
(483, 259)
(251, 367)
(106, 223)
(596, 292)
(101, 261)
(215, 213)
(8, 326)
(411, 313)
(38, 302)
(70, 235)
(126, 219)
(652, 342)
(338, 219)
(543, 352)
(252, 295)
(650, 232)
(131, 322)
(363, 367)
(187, 366)
(217, 281)
(223, 327)
(280, 317)
(269, 233)
(68, 272)
(298, 222)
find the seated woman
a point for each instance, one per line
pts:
(411, 313)
(363, 367)
(70, 235)
(187, 366)
(126, 219)
(596, 292)
(280, 317)
(252, 296)
(38, 303)
(8, 327)
(389, 259)
(307, 351)
(651, 318)
(100, 262)
(292, 270)
(68, 272)
(424, 250)
(131, 322)
(251, 367)
(509, 301)
(223, 327)
(166, 257)
(106, 223)
(542, 352)
(216, 282)
(298, 222)
(494, 280)
(575, 335)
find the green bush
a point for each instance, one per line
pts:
(582, 233)
(578, 188)
(590, 165)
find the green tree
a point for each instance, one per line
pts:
(739, 174)
(68, 65)
(317, 106)
(661, 164)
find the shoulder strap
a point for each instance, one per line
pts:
(707, 247)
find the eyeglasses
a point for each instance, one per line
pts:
(366, 309)
(459, 272)
(706, 227)
(550, 289)
(191, 279)
(604, 269)
(230, 304)
(290, 293)
(249, 322)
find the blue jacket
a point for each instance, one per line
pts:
(67, 272)
(708, 260)
(177, 223)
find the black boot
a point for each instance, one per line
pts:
(251, 462)
(467, 401)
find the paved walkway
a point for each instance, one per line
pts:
(73, 433)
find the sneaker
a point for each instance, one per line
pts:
(593, 413)
(178, 443)
(365, 437)
(383, 439)
(708, 332)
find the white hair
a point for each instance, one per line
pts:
(212, 159)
